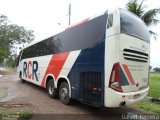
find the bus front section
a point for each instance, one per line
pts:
(128, 76)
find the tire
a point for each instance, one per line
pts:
(51, 90)
(64, 93)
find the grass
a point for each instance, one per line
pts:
(149, 106)
(154, 85)
(22, 114)
(154, 91)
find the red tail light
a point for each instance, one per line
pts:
(114, 81)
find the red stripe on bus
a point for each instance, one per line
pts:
(81, 22)
(128, 74)
(56, 63)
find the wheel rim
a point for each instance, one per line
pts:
(51, 89)
(64, 93)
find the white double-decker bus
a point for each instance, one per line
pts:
(102, 61)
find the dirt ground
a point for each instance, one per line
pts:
(35, 98)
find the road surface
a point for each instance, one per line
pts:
(27, 95)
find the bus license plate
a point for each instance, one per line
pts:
(136, 96)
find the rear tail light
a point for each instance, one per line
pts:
(114, 81)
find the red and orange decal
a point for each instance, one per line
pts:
(54, 67)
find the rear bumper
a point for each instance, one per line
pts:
(117, 99)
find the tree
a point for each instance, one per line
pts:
(4, 53)
(156, 69)
(149, 17)
(11, 34)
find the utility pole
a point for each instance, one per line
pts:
(69, 13)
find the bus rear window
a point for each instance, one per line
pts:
(132, 25)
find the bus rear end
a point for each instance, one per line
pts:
(127, 77)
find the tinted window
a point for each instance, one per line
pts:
(110, 21)
(85, 35)
(79, 37)
(132, 25)
(26, 53)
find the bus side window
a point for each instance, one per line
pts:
(24, 54)
(20, 56)
(110, 21)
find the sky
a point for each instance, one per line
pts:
(47, 17)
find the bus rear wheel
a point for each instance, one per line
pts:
(64, 93)
(51, 90)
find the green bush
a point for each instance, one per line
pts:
(10, 62)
